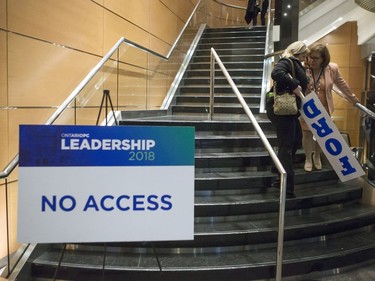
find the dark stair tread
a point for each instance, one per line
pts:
(243, 265)
(224, 201)
(219, 86)
(239, 65)
(222, 205)
(223, 179)
(219, 78)
(218, 95)
(241, 57)
(304, 192)
(220, 71)
(238, 72)
(251, 41)
(191, 120)
(235, 136)
(236, 211)
(233, 154)
(264, 229)
(217, 105)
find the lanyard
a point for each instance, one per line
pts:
(317, 79)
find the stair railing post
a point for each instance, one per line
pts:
(7, 225)
(280, 232)
(212, 85)
(104, 261)
(59, 263)
(283, 174)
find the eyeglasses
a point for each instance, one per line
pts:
(314, 58)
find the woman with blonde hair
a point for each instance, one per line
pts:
(322, 74)
(288, 129)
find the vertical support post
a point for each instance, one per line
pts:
(7, 224)
(104, 260)
(280, 239)
(212, 85)
(59, 264)
(75, 111)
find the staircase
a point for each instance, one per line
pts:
(236, 208)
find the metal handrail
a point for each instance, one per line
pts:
(279, 166)
(273, 54)
(268, 59)
(14, 162)
(358, 105)
(176, 82)
(365, 110)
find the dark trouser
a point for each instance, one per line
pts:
(264, 12)
(263, 17)
(289, 139)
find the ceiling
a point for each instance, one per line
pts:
(330, 14)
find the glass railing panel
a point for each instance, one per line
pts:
(136, 80)
(12, 193)
(68, 117)
(133, 90)
(222, 15)
(159, 84)
(91, 94)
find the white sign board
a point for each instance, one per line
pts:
(330, 139)
(105, 184)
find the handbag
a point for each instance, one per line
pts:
(285, 103)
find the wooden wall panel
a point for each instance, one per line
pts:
(355, 79)
(42, 74)
(3, 69)
(341, 35)
(220, 16)
(86, 116)
(182, 9)
(4, 138)
(163, 23)
(355, 55)
(342, 44)
(74, 23)
(100, 2)
(12, 213)
(117, 27)
(24, 116)
(134, 11)
(340, 54)
(3, 14)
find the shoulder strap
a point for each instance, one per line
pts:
(293, 74)
(292, 65)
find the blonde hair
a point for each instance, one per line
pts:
(294, 49)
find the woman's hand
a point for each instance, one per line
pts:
(298, 91)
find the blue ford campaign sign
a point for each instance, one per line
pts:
(102, 184)
(329, 138)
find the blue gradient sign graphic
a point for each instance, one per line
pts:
(105, 184)
(105, 146)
